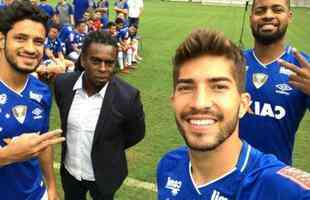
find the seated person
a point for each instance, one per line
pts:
(78, 38)
(124, 54)
(132, 30)
(111, 28)
(66, 36)
(121, 7)
(53, 60)
(103, 7)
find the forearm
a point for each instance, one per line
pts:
(46, 161)
(5, 156)
(50, 55)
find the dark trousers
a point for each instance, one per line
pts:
(133, 21)
(77, 190)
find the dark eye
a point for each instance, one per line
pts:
(259, 11)
(95, 61)
(39, 42)
(220, 87)
(184, 88)
(20, 38)
(278, 9)
(109, 62)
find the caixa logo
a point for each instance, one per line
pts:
(267, 110)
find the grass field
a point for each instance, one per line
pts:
(164, 25)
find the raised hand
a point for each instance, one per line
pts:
(300, 79)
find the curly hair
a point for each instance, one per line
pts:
(18, 11)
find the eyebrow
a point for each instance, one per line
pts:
(211, 80)
(272, 6)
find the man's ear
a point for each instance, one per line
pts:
(82, 61)
(244, 104)
(290, 16)
(172, 100)
(2, 40)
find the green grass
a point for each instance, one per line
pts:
(164, 25)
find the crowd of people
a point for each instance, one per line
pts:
(237, 111)
(69, 23)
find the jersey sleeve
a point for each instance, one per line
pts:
(286, 183)
(308, 97)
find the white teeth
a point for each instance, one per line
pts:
(202, 122)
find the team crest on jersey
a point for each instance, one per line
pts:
(296, 175)
(35, 96)
(174, 186)
(1, 129)
(19, 112)
(3, 99)
(259, 79)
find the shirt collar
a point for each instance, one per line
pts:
(79, 86)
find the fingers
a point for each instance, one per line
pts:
(43, 145)
(47, 139)
(49, 135)
(302, 60)
(291, 67)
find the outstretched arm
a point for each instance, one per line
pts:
(27, 145)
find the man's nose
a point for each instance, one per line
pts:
(203, 98)
(30, 47)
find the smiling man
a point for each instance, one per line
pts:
(25, 104)
(278, 80)
(209, 99)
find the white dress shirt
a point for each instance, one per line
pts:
(81, 125)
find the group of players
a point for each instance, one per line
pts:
(216, 88)
(65, 36)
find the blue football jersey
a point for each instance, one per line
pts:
(54, 45)
(25, 112)
(255, 177)
(276, 106)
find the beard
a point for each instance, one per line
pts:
(267, 39)
(13, 63)
(224, 132)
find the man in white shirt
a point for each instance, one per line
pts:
(135, 9)
(101, 116)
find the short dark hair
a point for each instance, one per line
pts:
(119, 20)
(100, 37)
(202, 42)
(110, 24)
(79, 22)
(19, 11)
(54, 25)
(287, 1)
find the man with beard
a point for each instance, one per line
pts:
(25, 102)
(278, 80)
(208, 100)
(101, 116)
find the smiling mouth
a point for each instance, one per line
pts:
(202, 122)
(268, 26)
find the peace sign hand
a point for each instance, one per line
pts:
(300, 79)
